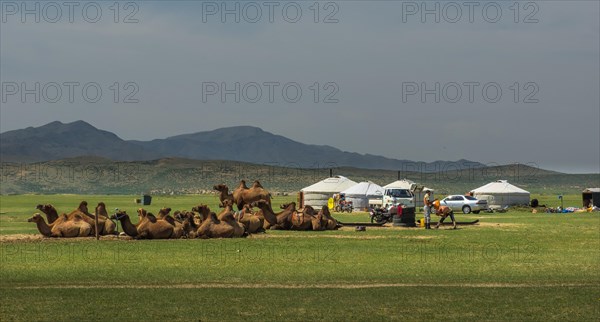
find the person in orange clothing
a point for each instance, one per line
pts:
(443, 212)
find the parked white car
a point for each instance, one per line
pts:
(466, 204)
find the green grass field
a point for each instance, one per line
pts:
(513, 266)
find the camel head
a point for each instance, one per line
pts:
(291, 205)
(260, 203)
(201, 209)
(221, 188)
(119, 214)
(36, 218)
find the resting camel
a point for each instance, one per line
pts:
(148, 226)
(330, 223)
(192, 224)
(307, 219)
(105, 225)
(243, 195)
(212, 227)
(252, 222)
(224, 194)
(62, 227)
(180, 228)
(54, 218)
(280, 220)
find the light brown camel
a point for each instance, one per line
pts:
(223, 193)
(280, 220)
(212, 227)
(243, 195)
(307, 219)
(105, 225)
(63, 227)
(180, 228)
(54, 218)
(252, 223)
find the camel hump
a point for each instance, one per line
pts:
(151, 217)
(169, 219)
(256, 184)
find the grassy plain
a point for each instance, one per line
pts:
(513, 266)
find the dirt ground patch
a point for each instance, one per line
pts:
(295, 286)
(38, 237)
(501, 225)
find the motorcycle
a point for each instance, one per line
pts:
(380, 216)
(345, 206)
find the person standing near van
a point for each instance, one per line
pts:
(427, 208)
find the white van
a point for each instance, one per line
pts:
(397, 196)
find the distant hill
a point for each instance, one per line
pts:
(93, 175)
(56, 140)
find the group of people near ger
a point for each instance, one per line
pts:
(440, 210)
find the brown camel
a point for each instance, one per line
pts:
(150, 227)
(280, 220)
(188, 220)
(105, 225)
(63, 227)
(224, 194)
(180, 228)
(252, 222)
(212, 227)
(49, 211)
(129, 228)
(54, 218)
(307, 219)
(243, 195)
(330, 222)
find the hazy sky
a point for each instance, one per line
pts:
(376, 60)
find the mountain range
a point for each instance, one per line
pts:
(57, 140)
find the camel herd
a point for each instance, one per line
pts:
(200, 222)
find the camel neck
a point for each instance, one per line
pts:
(128, 227)
(43, 228)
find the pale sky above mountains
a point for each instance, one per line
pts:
(366, 59)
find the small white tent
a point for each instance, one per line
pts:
(501, 193)
(318, 194)
(361, 192)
